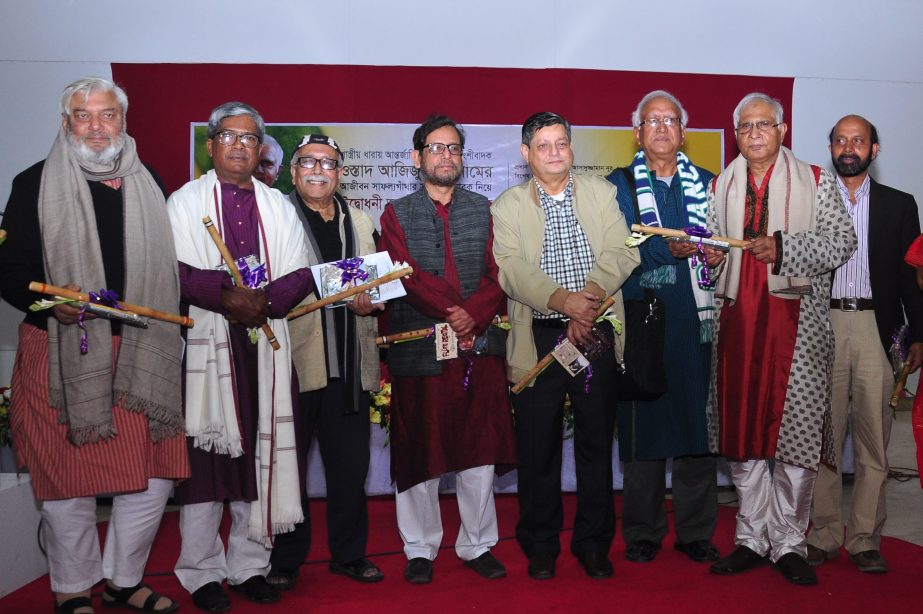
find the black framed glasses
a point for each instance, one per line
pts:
(229, 137)
(308, 162)
(456, 149)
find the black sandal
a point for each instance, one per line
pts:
(118, 598)
(72, 605)
(357, 570)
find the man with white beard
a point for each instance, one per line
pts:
(97, 406)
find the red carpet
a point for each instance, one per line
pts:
(671, 583)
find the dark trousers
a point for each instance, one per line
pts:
(695, 499)
(539, 423)
(344, 448)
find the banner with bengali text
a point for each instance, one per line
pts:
(379, 167)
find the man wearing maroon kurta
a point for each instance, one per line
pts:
(769, 398)
(238, 403)
(451, 415)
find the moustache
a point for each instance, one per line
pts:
(315, 179)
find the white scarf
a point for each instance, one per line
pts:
(792, 195)
(211, 415)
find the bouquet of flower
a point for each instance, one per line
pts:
(380, 406)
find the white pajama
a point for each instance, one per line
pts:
(72, 541)
(420, 523)
(202, 557)
(774, 506)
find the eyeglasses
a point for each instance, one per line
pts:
(668, 122)
(229, 137)
(328, 164)
(456, 149)
(761, 126)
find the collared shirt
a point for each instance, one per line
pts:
(852, 278)
(566, 254)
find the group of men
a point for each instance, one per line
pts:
(105, 407)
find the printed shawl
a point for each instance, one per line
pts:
(211, 412)
(148, 368)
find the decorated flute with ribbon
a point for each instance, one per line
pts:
(421, 333)
(397, 273)
(235, 273)
(549, 357)
(147, 312)
(899, 386)
(713, 240)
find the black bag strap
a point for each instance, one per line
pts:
(630, 179)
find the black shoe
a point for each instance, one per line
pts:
(541, 566)
(487, 566)
(281, 579)
(796, 569)
(597, 565)
(642, 551)
(419, 570)
(257, 590)
(211, 598)
(700, 551)
(741, 560)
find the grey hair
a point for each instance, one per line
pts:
(234, 109)
(759, 97)
(87, 86)
(636, 115)
(274, 147)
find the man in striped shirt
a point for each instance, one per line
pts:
(872, 292)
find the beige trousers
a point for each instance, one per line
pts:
(862, 373)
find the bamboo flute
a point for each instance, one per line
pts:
(348, 292)
(549, 357)
(672, 232)
(899, 386)
(235, 273)
(420, 333)
(42, 288)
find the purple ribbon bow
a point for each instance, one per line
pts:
(109, 298)
(252, 277)
(703, 273)
(351, 271)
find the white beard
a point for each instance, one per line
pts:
(88, 156)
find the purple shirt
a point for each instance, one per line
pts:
(241, 227)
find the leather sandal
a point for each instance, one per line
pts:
(359, 570)
(72, 605)
(118, 598)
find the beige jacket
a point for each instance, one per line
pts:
(519, 232)
(307, 336)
